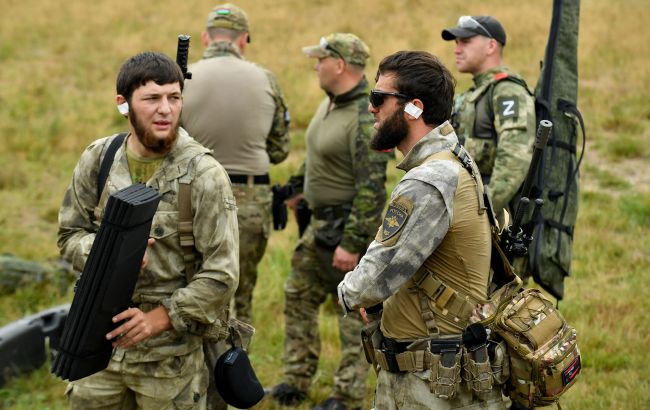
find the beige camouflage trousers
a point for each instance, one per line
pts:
(410, 391)
(254, 219)
(306, 288)
(178, 382)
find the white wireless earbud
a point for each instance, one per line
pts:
(413, 110)
(123, 108)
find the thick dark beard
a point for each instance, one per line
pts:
(147, 138)
(391, 133)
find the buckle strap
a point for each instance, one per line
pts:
(185, 229)
(453, 305)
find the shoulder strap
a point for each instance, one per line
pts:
(185, 228)
(107, 162)
(470, 166)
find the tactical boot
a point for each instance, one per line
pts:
(288, 395)
(331, 403)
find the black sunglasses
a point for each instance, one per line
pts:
(377, 97)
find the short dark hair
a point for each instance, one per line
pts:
(421, 75)
(144, 67)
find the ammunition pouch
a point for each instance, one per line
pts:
(450, 362)
(330, 235)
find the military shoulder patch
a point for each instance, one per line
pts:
(508, 107)
(395, 218)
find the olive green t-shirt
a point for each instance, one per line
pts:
(141, 168)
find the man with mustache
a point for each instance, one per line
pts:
(157, 359)
(429, 264)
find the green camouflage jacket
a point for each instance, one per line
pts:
(163, 281)
(344, 168)
(503, 161)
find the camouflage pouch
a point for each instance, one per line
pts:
(544, 354)
(477, 370)
(446, 359)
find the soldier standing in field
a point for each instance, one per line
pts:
(236, 108)
(494, 119)
(343, 180)
(157, 360)
(429, 265)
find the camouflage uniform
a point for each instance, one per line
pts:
(167, 370)
(313, 277)
(500, 144)
(434, 225)
(243, 118)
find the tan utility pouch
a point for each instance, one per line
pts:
(446, 363)
(477, 369)
(367, 333)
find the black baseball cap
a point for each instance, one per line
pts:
(470, 26)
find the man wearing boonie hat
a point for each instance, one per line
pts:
(494, 119)
(343, 180)
(236, 108)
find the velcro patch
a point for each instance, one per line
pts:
(395, 218)
(508, 107)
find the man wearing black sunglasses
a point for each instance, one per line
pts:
(429, 264)
(494, 119)
(343, 181)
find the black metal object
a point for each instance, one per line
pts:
(182, 51)
(107, 282)
(22, 343)
(514, 240)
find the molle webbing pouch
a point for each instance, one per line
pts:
(477, 369)
(544, 355)
(446, 367)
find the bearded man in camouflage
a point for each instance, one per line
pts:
(494, 119)
(343, 183)
(429, 264)
(157, 359)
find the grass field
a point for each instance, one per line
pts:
(59, 59)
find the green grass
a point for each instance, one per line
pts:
(57, 86)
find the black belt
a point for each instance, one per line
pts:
(243, 179)
(332, 212)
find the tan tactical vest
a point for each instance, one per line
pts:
(439, 298)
